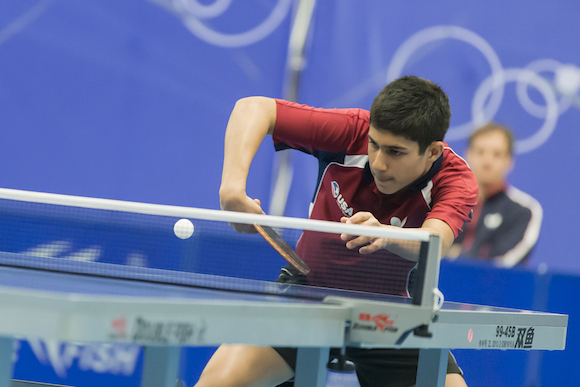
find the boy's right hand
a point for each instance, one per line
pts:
(241, 203)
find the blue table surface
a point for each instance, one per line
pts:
(32, 279)
(94, 278)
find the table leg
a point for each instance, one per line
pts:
(6, 366)
(311, 367)
(432, 367)
(160, 366)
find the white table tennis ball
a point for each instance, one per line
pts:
(183, 228)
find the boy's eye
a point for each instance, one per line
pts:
(396, 152)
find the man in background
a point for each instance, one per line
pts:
(506, 221)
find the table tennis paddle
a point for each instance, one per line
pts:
(283, 248)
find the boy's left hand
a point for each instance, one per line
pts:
(369, 244)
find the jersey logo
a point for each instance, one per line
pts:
(335, 189)
(342, 204)
(398, 222)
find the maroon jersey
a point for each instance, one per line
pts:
(338, 138)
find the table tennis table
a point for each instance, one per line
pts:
(36, 301)
(50, 291)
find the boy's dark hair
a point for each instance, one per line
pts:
(414, 108)
(491, 127)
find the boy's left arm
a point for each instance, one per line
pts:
(442, 229)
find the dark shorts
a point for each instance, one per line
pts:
(377, 367)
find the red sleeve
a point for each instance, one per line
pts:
(331, 130)
(454, 192)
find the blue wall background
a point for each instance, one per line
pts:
(129, 99)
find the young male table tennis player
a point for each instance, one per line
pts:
(391, 168)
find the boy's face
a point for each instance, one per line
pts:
(489, 158)
(395, 162)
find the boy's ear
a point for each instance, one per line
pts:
(435, 149)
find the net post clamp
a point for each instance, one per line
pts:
(381, 323)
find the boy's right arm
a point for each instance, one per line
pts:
(250, 121)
